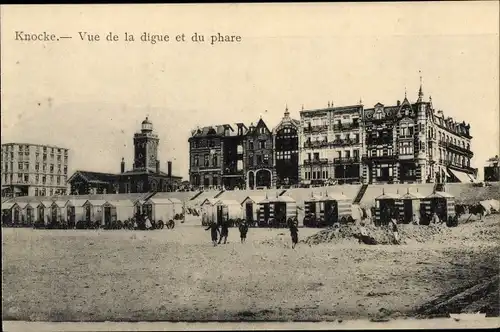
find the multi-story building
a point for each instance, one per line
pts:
(145, 175)
(492, 170)
(258, 156)
(34, 170)
(216, 157)
(286, 151)
(414, 143)
(233, 172)
(330, 145)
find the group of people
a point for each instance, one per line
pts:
(220, 231)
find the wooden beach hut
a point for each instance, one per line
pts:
(441, 203)
(250, 206)
(411, 206)
(387, 206)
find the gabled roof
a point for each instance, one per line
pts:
(158, 201)
(414, 195)
(440, 194)
(94, 177)
(255, 199)
(123, 202)
(7, 205)
(388, 196)
(95, 202)
(227, 202)
(210, 201)
(59, 203)
(259, 124)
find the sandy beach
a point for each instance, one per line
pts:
(177, 275)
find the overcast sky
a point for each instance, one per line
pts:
(91, 98)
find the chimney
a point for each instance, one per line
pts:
(123, 165)
(169, 169)
(157, 166)
(399, 103)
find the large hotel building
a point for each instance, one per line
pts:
(33, 170)
(408, 142)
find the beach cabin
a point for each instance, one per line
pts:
(117, 210)
(311, 210)
(441, 203)
(93, 211)
(250, 207)
(159, 209)
(208, 211)
(75, 211)
(387, 206)
(27, 213)
(337, 208)
(279, 209)
(7, 209)
(177, 205)
(138, 207)
(227, 210)
(43, 212)
(411, 205)
(57, 211)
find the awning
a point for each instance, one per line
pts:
(461, 176)
(472, 178)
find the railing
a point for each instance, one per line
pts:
(344, 142)
(460, 167)
(315, 129)
(233, 172)
(378, 158)
(345, 160)
(345, 126)
(319, 161)
(316, 144)
(457, 148)
(379, 141)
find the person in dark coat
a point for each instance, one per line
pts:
(224, 231)
(243, 231)
(294, 233)
(214, 231)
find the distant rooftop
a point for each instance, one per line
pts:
(34, 144)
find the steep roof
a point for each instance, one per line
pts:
(95, 177)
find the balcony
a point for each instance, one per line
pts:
(457, 148)
(369, 159)
(346, 126)
(315, 129)
(320, 161)
(316, 144)
(344, 142)
(379, 141)
(459, 167)
(232, 172)
(345, 160)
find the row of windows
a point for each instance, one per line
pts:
(339, 154)
(316, 175)
(285, 154)
(23, 177)
(26, 167)
(338, 137)
(325, 122)
(50, 191)
(26, 148)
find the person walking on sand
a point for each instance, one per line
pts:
(214, 231)
(394, 228)
(294, 233)
(243, 231)
(224, 231)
